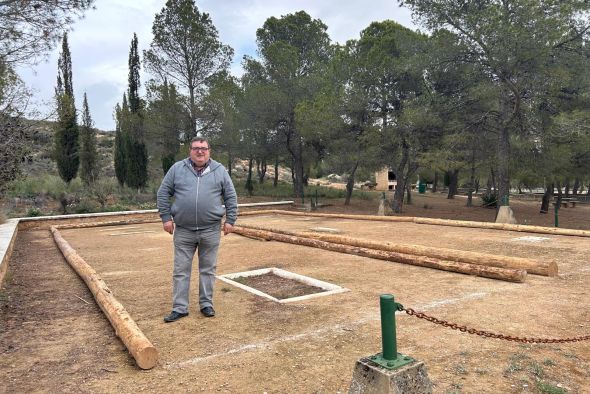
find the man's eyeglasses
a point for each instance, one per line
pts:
(199, 148)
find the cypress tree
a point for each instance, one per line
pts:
(66, 131)
(88, 155)
(136, 176)
(120, 156)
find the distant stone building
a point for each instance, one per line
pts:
(385, 180)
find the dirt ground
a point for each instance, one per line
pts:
(53, 337)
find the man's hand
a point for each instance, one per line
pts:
(228, 228)
(169, 227)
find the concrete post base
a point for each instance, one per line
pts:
(505, 215)
(381, 211)
(370, 378)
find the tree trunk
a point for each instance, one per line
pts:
(435, 182)
(295, 148)
(546, 198)
(350, 184)
(471, 180)
(559, 195)
(503, 167)
(261, 170)
(476, 185)
(453, 181)
(249, 186)
(230, 161)
(275, 181)
(398, 196)
(408, 193)
(492, 182)
(576, 186)
(192, 111)
(567, 187)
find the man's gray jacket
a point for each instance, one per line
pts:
(197, 199)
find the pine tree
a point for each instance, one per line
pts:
(66, 131)
(88, 155)
(136, 157)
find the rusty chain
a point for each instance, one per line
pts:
(487, 334)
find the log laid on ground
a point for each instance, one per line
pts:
(441, 222)
(139, 346)
(330, 215)
(507, 274)
(107, 223)
(530, 265)
(504, 226)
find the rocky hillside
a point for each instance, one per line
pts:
(39, 158)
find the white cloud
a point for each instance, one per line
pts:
(100, 42)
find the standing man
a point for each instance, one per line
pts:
(198, 185)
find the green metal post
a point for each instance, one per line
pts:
(556, 211)
(388, 307)
(389, 358)
(504, 200)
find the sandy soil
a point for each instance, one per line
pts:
(54, 338)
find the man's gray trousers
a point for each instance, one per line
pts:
(186, 242)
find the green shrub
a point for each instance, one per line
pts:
(489, 200)
(116, 208)
(103, 189)
(147, 205)
(106, 142)
(85, 206)
(549, 388)
(47, 185)
(33, 212)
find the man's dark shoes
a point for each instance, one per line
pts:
(208, 311)
(174, 316)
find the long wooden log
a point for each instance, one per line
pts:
(504, 226)
(530, 265)
(106, 223)
(330, 215)
(142, 350)
(507, 274)
(441, 222)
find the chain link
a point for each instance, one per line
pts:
(488, 334)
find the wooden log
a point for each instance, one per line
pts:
(531, 266)
(504, 226)
(107, 223)
(442, 222)
(330, 215)
(142, 350)
(507, 274)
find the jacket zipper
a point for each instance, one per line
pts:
(197, 202)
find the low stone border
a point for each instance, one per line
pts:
(8, 233)
(328, 287)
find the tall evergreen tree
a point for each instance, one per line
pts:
(187, 51)
(120, 155)
(66, 131)
(136, 156)
(165, 122)
(88, 155)
(294, 52)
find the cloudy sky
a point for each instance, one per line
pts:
(100, 42)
